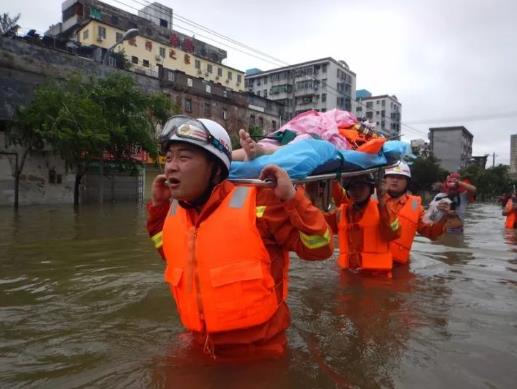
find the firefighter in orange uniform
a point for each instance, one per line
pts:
(408, 209)
(510, 211)
(226, 246)
(365, 228)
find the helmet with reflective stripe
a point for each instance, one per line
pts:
(204, 133)
(402, 169)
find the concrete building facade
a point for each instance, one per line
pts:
(513, 156)
(384, 110)
(452, 146)
(95, 24)
(25, 65)
(321, 84)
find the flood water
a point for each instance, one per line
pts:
(83, 304)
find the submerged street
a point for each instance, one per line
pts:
(84, 305)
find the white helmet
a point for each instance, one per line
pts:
(204, 133)
(402, 169)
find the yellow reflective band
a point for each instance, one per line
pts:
(157, 239)
(260, 210)
(315, 241)
(395, 224)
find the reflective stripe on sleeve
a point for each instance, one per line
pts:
(395, 224)
(157, 239)
(315, 241)
(260, 210)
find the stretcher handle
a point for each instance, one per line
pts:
(318, 177)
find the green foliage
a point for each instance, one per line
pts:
(424, 173)
(84, 119)
(121, 59)
(8, 25)
(490, 182)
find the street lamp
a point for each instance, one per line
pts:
(129, 34)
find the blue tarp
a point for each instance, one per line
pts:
(312, 156)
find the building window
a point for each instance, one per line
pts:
(95, 13)
(145, 63)
(252, 120)
(134, 59)
(324, 97)
(86, 33)
(225, 114)
(258, 93)
(208, 88)
(101, 32)
(261, 122)
(369, 104)
(148, 45)
(118, 37)
(324, 68)
(172, 54)
(383, 103)
(209, 68)
(164, 23)
(359, 109)
(265, 93)
(186, 59)
(197, 64)
(170, 76)
(188, 105)
(383, 113)
(239, 79)
(273, 123)
(162, 52)
(208, 109)
(190, 82)
(230, 75)
(220, 72)
(132, 42)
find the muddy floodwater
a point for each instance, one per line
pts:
(83, 305)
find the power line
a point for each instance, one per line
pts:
(211, 31)
(256, 53)
(468, 118)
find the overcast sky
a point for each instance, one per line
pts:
(449, 62)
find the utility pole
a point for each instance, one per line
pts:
(493, 159)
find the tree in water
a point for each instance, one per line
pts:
(84, 121)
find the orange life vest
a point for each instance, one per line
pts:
(376, 253)
(408, 217)
(511, 218)
(219, 271)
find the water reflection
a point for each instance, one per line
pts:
(84, 305)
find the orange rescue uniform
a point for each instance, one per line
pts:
(227, 265)
(410, 214)
(364, 235)
(511, 215)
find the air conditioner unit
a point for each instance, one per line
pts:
(100, 39)
(158, 58)
(199, 71)
(227, 80)
(206, 74)
(217, 77)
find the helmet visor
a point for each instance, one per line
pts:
(185, 127)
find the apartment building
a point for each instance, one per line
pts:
(321, 84)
